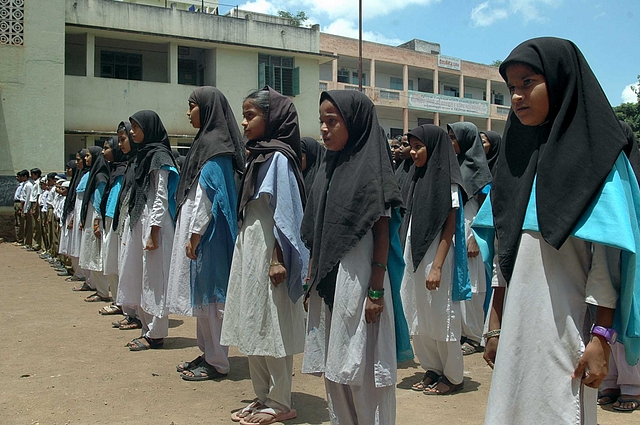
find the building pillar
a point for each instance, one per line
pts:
(461, 86)
(488, 91)
(405, 120)
(172, 57)
(436, 118)
(436, 83)
(372, 73)
(91, 55)
(405, 78)
(334, 72)
(488, 124)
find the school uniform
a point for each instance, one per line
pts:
(18, 205)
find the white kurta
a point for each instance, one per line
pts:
(541, 339)
(90, 247)
(144, 274)
(110, 248)
(75, 234)
(431, 313)
(260, 318)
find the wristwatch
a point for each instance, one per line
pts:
(609, 334)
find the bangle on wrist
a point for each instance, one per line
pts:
(276, 263)
(492, 334)
(376, 295)
(382, 266)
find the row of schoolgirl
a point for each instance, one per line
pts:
(376, 257)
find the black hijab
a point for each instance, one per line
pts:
(218, 135)
(631, 149)
(281, 135)
(428, 191)
(571, 153)
(402, 174)
(100, 171)
(129, 173)
(315, 155)
(338, 216)
(117, 169)
(473, 162)
(495, 140)
(70, 200)
(153, 153)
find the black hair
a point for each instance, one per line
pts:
(260, 99)
(121, 127)
(52, 175)
(23, 173)
(36, 171)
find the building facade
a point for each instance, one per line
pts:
(414, 84)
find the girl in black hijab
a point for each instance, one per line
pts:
(83, 161)
(91, 223)
(206, 228)
(351, 227)
(476, 176)
(264, 316)
(312, 158)
(436, 275)
(147, 258)
(563, 196)
(403, 162)
(491, 141)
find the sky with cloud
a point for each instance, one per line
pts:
(607, 32)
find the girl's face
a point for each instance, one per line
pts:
(88, 159)
(335, 133)
(486, 144)
(136, 132)
(454, 142)
(254, 122)
(194, 115)
(107, 152)
(63, 191)
(405, 148)
(418, 152)
(79, 162)
(529, 95)
(123, 141)
(69, 171)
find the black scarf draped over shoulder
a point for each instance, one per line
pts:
(100, 171)
(128, 173)
(353, 189)
(495, 140)
(428, 191)
(402, 174)
(218, 135)
(118, 167)
(70, 200)
(571, 153)
(74, 179)
(153, 153)
(315, 156)
(282, 134)
(473, 162)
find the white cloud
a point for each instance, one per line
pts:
(491, 11)
(628, 95)
(347, 28)
(259, 6)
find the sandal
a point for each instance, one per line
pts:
(127, 323)
(84, 287)
(203, 372)
(471, 347)
(453, 388)
(626, 399)
(145, 343)
(422, 384)
(247, 411)
(272, 415)
(110, 310)
(608, 396)
(97, 298)
(76, 279)
(190, 365)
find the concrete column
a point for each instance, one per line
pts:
(172, 57)
(436, 83)
(488, 124)
(372, 73)
(436, 118)
(405, 119)
(405, 78)
(461, 86)
(488, 90)
(91, 54)
(334, 71)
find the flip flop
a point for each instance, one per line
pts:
(190, 365)
(152, 344)
(453, 388)
(611, 395)
(247, 411)
(276, 416)
(623, 399)
(95, 298)
(110, 310)
(420, 386)
(84, 287)
(200, 371)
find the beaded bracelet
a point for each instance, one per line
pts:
(492, 334)
(376, 295)
(382, 266)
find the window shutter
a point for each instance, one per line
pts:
(296, 81)
(262, 80)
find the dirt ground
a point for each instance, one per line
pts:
(63, 363)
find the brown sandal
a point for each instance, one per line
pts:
(433, 378)
(96, 298)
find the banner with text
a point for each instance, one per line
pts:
(448, 105)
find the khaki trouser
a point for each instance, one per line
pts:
(20, 221)
(44, 225)
(37, 228)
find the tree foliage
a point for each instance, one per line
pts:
(296, 20)
(630, 112)
(496, 63)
